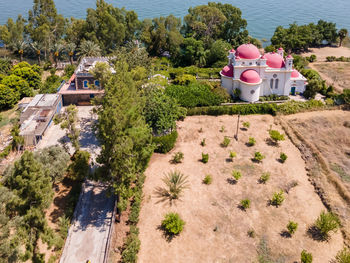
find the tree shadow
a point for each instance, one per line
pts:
(229, 160)
(231, 181)
(168, 236)
(285, 234)
(164, 196)
(271, 142)
(315, 233)
(249, 144)
(243, 129)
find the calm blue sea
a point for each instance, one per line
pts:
(263, 16)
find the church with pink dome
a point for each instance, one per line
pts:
(255, 75)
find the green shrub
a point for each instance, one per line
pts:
(246, 124)
(165, 143)
(292, 107)
(264, 178)
(184, 79)
(276, 136)
(172, 224)
(277, 198)
(178, 157)
(233, 154)
(236, 175)
(175, 183)
(203, 142)
(305, 257)
(205, 157)
(292, 227)
(258, 157)
(343, 256)
(222, 129)
(326, 223)
(251, 233)
(131, 246)
(225, 142)
(245, 204)
(283, 157)
(207, 179)
(251, 141)
(245, 109)
(194, 95)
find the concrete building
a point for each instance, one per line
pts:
(82, 87)
(37, 117)
(256, 75)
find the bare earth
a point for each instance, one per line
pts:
(324, 52)
(216, 229)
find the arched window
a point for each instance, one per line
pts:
(85, 84)
(276, 83)
(271, 83)
(97, 83)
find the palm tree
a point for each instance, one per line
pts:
(57, 49)
(37, 49)
(342, 35)
(19, 47)
(89, 49)
(70, 48)
(175, 183)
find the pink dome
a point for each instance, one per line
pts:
(274, 60)
(227, 71)
(281, 48)
(250, 76)
(289, 56)
(248, 51)
(295, 74)
(232, 50)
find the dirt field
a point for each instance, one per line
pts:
(334, 73)
(324, 52)
(329, 131)
(216, 229)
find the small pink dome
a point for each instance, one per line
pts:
(248, 51)
(227, 71)
(232, 50)
(274, 60)
(250, 76)
(295, 74)
(289, 56)
(281, 48)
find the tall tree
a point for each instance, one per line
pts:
(12, 32)
(124, 136)
(89, 49)
(36, 47)
(70, 48)
(342, 33)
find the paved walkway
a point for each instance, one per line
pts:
(89, 232)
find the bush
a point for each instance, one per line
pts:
(246, 124)
(172, 224)
(283, 157)
(205, 157)
(245, 204)
(264, 178)
(245, 109)
(251, 141)
(305, 257)
(233, 155)
(276, 136)
(222, 129)
(225, 142)
(292, 227)
(237, 175)
(207, 179)
(175, 183)
(258, 157)
(273, 97)
(277, 198)
(292, 107)
(194, 95)
(343, 256)
(178, 157)
(203, 142)
(165, 143)
(326, 223)
(132, 246)
(184, 79)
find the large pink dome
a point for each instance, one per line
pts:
(295, 74)
(227, 71)
(250, 76)
(248, 51)
(274, 60)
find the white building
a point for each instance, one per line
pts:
(258, 75)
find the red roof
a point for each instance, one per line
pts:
(232, 50)
(250, 76)
(248, 51)
(227, 71)
(274, 60)
(295, 74)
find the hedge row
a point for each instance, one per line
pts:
(341, 59)
(289, 107)
(165, 143)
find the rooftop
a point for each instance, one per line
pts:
(88, 63)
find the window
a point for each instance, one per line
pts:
(271, 84)
(276, 83)
(252, 91)
(97, 83)
(274, 76)
(243, 63)
(85, 83)
(250, 63)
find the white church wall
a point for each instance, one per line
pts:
(226, 82)
(250, 93)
